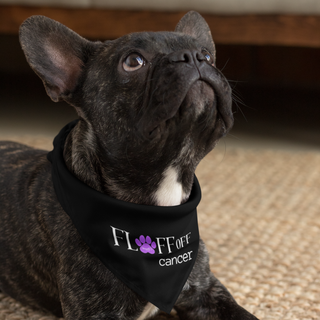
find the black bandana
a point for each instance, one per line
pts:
(151, 249)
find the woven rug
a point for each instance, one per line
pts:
(260, 219)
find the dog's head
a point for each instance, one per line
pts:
(151, 99)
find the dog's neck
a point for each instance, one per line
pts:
(160, 188)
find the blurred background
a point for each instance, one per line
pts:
(270, 53)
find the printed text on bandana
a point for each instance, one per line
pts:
(160, 246)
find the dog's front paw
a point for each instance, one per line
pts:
(146, 244)
(235, 312)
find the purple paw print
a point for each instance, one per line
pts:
(146, 244)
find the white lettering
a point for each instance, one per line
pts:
(169, 244)
(160, 245)
(181, 239)
(128, 242)
(178, 244)
(176, 260)
(115, 237)
(189, 253)
(162, 265)
(188, 237)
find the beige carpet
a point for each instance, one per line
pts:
(260, 218)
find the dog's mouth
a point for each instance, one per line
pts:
(193, 105)
(217, 90)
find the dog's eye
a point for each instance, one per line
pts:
(133, 62)
(208, 57)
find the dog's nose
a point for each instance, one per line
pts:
(187, 56)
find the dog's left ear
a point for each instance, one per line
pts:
(194, 25)
(56, 53)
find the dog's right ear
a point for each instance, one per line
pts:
(56, 54)
(193, 24)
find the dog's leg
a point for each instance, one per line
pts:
(89, 291)
(214, 303)
(204, 297)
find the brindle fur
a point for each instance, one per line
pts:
(124, 141)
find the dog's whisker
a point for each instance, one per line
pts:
(238, 108)
(234, 136)
(225, 65)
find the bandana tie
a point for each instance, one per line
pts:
(149, 248)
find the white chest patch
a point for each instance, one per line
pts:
(170, 192)
(149, 310)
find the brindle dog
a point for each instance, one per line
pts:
(151, 106)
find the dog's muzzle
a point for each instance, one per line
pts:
(188, 66)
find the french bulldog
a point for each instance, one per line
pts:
(151, 105)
